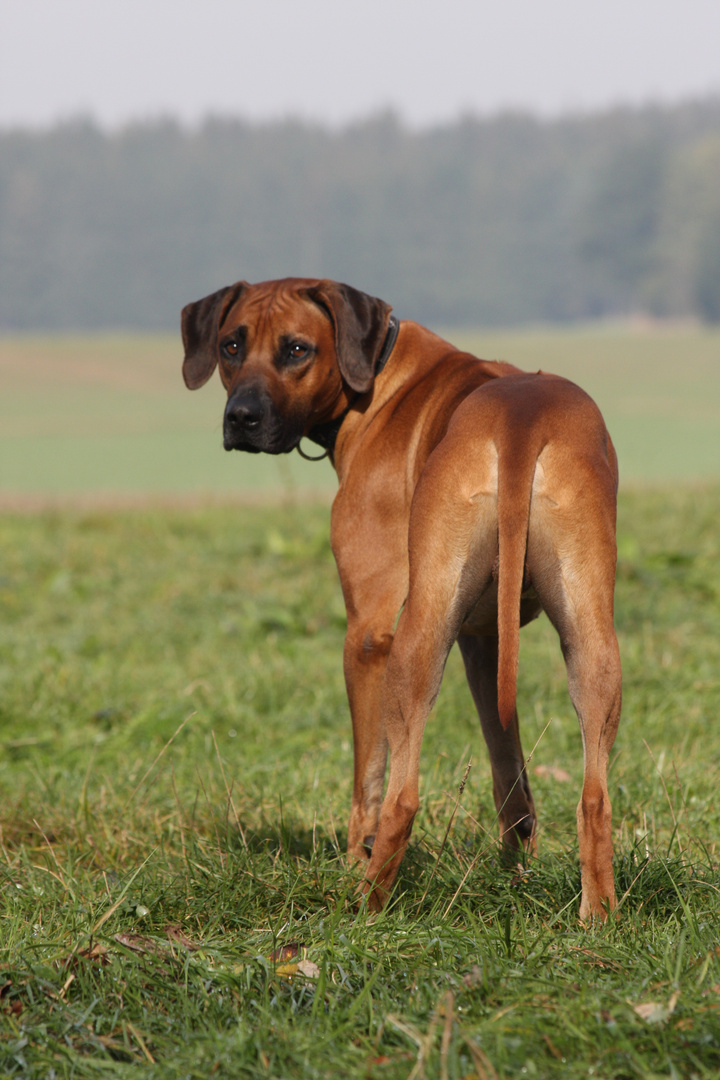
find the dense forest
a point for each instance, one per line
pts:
(483, 221)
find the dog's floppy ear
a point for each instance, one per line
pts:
(360, 323)
(200, 323)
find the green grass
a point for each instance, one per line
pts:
(175, 778)
(109, 415)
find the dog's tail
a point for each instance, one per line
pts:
(516, 470)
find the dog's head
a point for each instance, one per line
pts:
(292, 355)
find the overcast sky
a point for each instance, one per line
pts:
(334, 61)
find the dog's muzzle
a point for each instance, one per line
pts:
(245, 421)
(251, 423)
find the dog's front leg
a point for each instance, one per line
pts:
(367, 646)
(371, 557)
(412, 682)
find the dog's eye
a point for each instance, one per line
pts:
(230, 348)
(293, 353)
(298, 350)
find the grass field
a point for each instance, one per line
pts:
(175, 780)
(175, 765)
(110, 415)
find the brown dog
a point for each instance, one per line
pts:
(472, 496)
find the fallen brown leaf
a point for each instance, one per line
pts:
(522, 873)
(285, 952)
(139, 943)
(308, 969)
(290, 965)
(95, 953)
(654, 1012)
(176, 933)
(14, 1007)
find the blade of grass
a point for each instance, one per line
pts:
(463, 782)
(166, 747)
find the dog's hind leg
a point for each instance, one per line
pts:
(452, 548)
(594, 680)
(511, 789)
(571, 549)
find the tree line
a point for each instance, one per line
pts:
(478, 222)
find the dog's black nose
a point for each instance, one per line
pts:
(243, 413)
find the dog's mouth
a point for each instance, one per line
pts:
(248, 448)
(257, 431)
(263, 443)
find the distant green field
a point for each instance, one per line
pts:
(109, 414)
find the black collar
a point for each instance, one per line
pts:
(388, 344)
(326, 434)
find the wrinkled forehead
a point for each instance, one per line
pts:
(274, 309)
